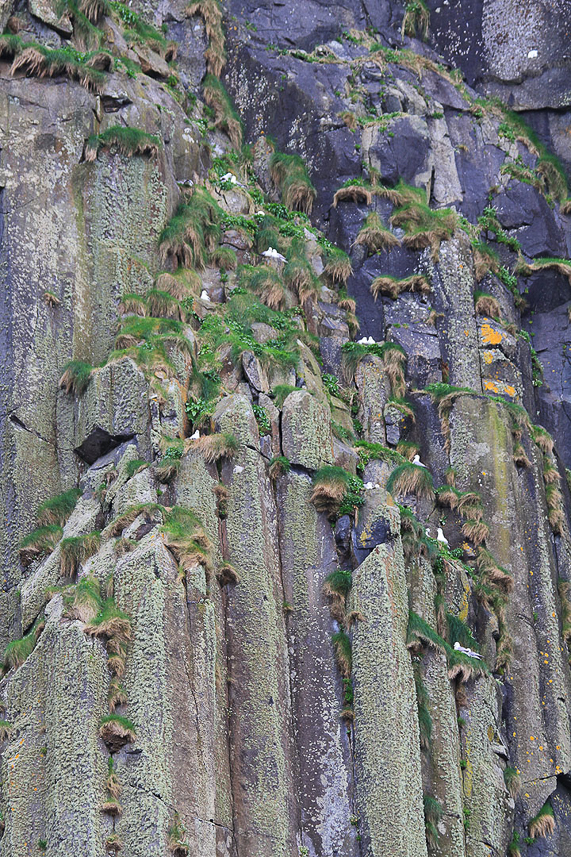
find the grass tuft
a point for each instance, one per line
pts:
(409, 478)
(126, 141)
(290, 175)
(375, 236)
(116, 731)
(225, 116)
(75, 550)
(76, 377)
(542, 824)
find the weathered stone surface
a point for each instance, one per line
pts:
(387, 762)
(54, 765)
(306, 431)
(325, 777)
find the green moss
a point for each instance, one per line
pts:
(281, 392)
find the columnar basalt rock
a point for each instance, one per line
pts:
(230, 640)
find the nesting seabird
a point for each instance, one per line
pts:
(466, 651)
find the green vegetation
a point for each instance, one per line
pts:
(169, 464)
(513, 781)
(422, 700)
(432, 815)
(16, 652)
(263, 420)
(336, 492)
(281, 392)
(194, 230)
(416, 19)
(375, 236)
(40, 542)
(460, 666)
(542, 824)
(185, 537)
(75, 550)
(410, 478)
(37, 60)
(139, 31)
(290, 175)
(176, 837)
(57, 510)
(513, 848)
(392, 287)
(116, 731)
(76, 377)
(279, 466)
(5, 730)
(343, 653)
(225, 116)
(126, 141)
(425, 227)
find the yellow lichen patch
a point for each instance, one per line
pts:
(511, 391)
(489, 335)
(488, 357)
(489, 385)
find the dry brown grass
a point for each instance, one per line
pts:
(214, 447)
(116, 695)
(375, 236)
(542, 825)
(112, 808)
(476, 531)
(348, 304)
(227, 575)
(339, 269)
(34, 63)
(353, 193)
(179, 286)
(492, 573)
(349, 119)
(394, 362)
(483, 264)
(487, 305)
(526, 269)
(327, 496)
(543, 439)
(411, 479)
(519, 456)
(448, 497)
(115, 734)
(393, 287)
(50, 299)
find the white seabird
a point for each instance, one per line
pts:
(204, 296)
(196, 435)
(440, 537)
(532, 54)
(229, 177)
(271, 253)
(468, 652)
(416, 460)
(368, 486)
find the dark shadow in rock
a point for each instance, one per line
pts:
(99, 442)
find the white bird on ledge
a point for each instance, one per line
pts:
(440, 537)
(416, 460)
(468, 652)
(271, 253)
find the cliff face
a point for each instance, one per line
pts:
(232, 601)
